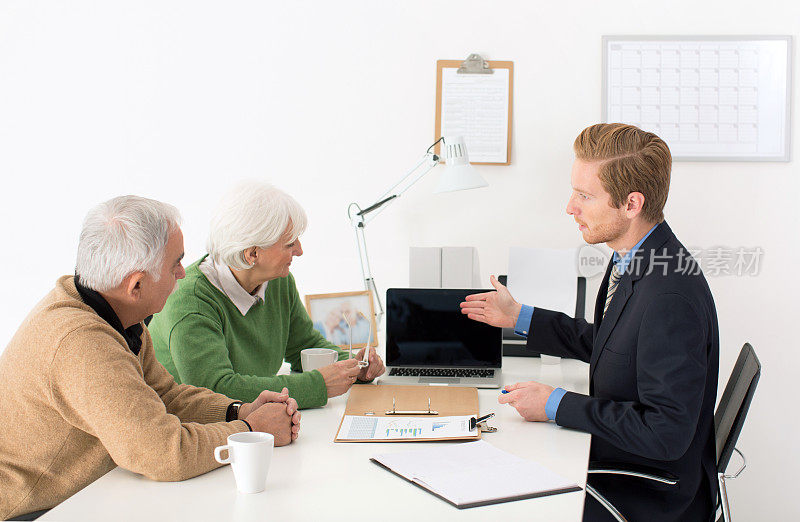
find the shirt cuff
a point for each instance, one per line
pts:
(524, 321)
(551, 406)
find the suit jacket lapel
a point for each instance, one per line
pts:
(607, 324)
(636, 269)
(601, 298)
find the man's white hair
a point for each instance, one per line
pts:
(253, 214)
(124, 235)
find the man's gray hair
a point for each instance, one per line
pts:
(121, 236)
(253, 214)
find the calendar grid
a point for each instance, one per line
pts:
(713, 98)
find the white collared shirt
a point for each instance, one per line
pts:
(221, 277)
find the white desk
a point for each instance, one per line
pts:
(317, 479)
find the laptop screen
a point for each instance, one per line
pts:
(425, 327)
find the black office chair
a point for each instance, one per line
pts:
(728, 422)
(729, 418)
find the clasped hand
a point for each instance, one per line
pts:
(274, 413)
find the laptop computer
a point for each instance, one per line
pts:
(429, 340)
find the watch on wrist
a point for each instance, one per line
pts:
(232, 413)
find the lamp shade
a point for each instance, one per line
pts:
(458, 174)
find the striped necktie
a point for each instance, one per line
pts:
(613, 281)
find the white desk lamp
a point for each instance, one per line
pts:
(458, 175)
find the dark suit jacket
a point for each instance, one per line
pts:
(654, 361)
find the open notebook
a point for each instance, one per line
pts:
(475, 474)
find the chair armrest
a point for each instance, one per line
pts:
(610, 468)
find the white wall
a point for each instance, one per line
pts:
(333, 101)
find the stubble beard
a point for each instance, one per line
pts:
(606, 232)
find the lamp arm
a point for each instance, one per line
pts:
(376, 205)
(430, 160)
(410, 171)
(366, 272)
(359, 219)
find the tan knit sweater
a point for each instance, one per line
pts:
(75, 402)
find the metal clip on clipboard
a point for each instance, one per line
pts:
(474, 64)
(481, 424)
(394, 410)
(485, 428)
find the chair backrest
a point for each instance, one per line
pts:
(735, 401)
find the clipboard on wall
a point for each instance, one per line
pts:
(377, 401)
(474, 99)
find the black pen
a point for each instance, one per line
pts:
(474, 422)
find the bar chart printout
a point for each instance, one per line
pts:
(406, 432)
(356, 427)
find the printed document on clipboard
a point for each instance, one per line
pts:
(369, 428)
(408, 414)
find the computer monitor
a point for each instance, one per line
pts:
(425, 327)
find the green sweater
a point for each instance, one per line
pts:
(204, 340)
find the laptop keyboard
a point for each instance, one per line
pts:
(441, 372)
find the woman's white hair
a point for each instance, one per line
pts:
(253, 214)
(124, 235)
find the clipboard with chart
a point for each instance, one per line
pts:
(474, 99)
(408, 414)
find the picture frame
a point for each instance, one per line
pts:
(330, 314)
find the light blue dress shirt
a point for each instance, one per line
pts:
(526, 315)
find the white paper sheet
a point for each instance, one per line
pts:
(476, 106)
(474, 472)
(364, 427)
(545, 278)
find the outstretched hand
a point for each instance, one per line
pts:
(496, 308)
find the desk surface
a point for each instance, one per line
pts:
(315, 478)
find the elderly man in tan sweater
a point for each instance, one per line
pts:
(80, 388)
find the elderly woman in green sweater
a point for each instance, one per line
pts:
(237, 315)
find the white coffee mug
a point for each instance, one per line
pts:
(249, 454)
(316, 358)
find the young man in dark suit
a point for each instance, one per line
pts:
(653, 348)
